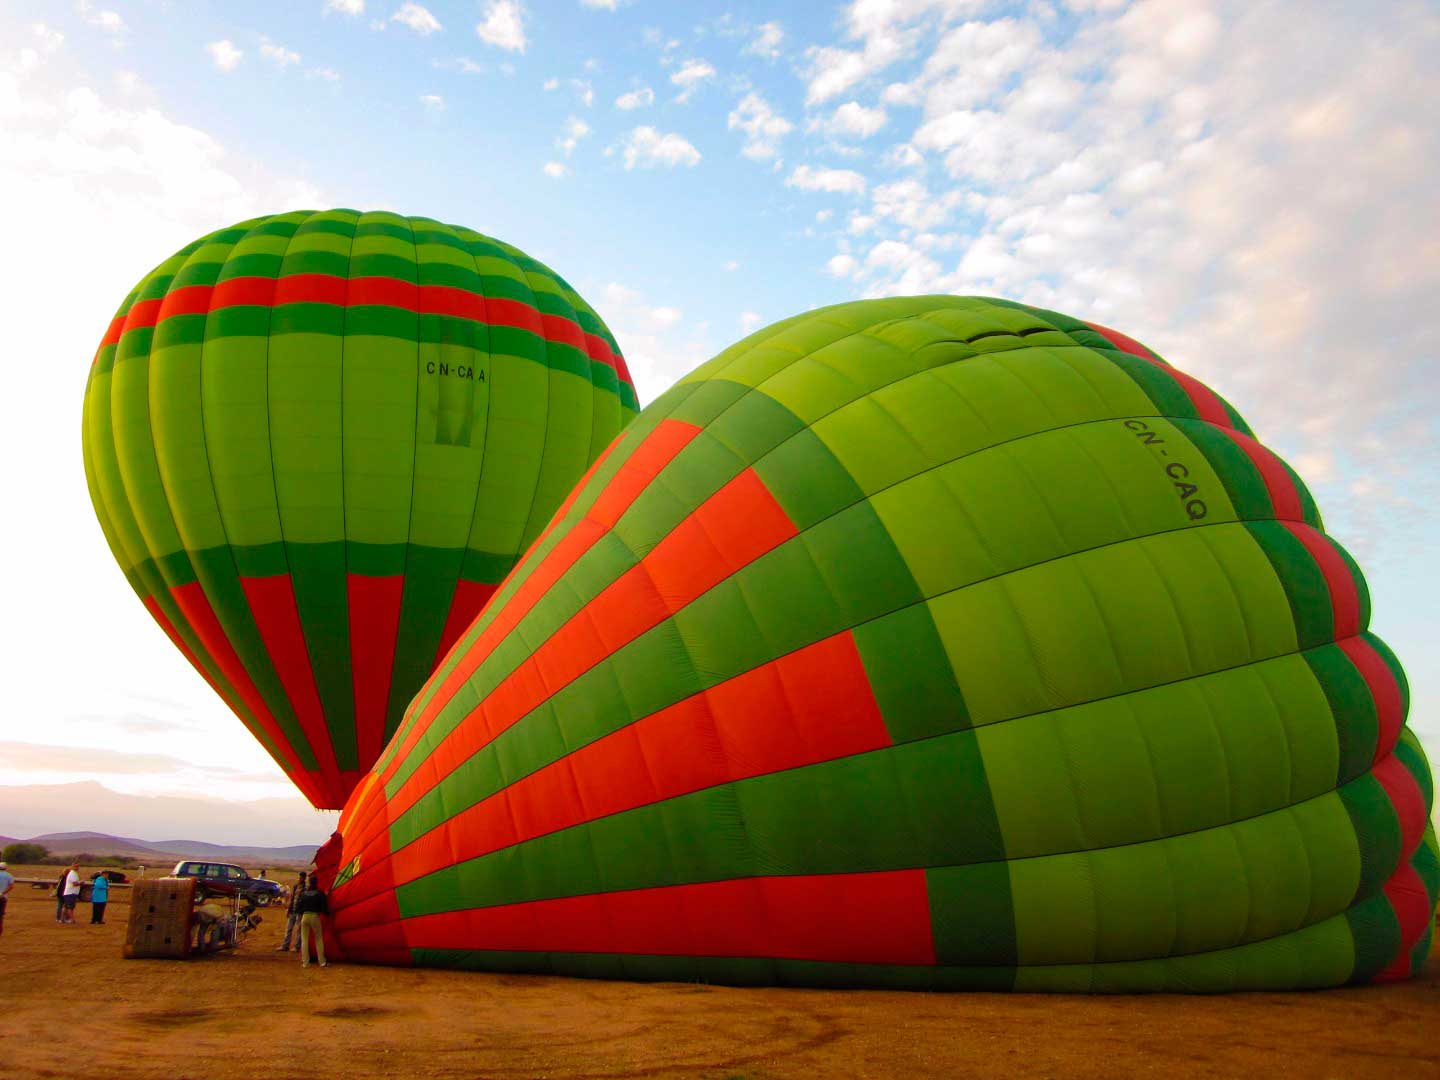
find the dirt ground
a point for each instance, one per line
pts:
(70, 1006)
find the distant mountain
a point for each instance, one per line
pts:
(69, 813)
(72, 843)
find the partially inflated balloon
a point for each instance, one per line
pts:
(316, 442)
(936, 643)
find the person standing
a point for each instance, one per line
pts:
(60, 895)
(312, 904)
(7, 882)
(99, 897)
(70, 893)
(292, 918)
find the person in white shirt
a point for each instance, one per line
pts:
(70, 893)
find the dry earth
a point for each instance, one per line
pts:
(70, 1006)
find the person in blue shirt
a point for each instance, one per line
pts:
(7, 882)
(99, 897)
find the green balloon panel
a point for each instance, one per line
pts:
(317, 442)
(933, 642)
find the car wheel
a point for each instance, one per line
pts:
(262, 899)
(201, 894)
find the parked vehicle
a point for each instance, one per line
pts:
(227, 879)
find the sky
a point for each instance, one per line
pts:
(1249, 188)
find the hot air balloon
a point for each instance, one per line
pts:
(316, 442)
(932, 643)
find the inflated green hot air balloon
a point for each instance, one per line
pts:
(936, 642)
(316, 442)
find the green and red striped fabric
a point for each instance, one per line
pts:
(317, 442)
(932, 642)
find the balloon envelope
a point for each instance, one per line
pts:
(316, 442)
(933, 643)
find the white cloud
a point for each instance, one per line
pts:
(601, 5)
(417, 18)
(731, 266)
(224, 54)
(911, 204)
(109, 21)
(659, 343)
(1173, 169)
(762, 125)
(325, 74)
(911, 270)
(345, 7)
(575, 130)
(551, 84)
(766, 42)
(885, 31)
(903, 156)
(853, 120)
(749, 321)
(833, 71)
(554, 169)
(646, 148)
(841, 266)
(118, 166)
(584, 91)
(432, 102)
(979, 60)
(841, 181)
(50, 39)
(503, 25)
(636, 99)
(689, 77)
(278, 54)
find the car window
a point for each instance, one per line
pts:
(234, 872)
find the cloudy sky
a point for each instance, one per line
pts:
(1251, 188)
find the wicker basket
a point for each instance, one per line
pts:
(161, 910)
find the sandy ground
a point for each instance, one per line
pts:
(70, 1006)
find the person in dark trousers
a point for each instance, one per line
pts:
(7, 882)
(70, 894)
(60, 895)
(99, 897)
(292, 918)
(312, 904)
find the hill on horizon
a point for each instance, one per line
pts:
(97, 843)
(69, 812)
